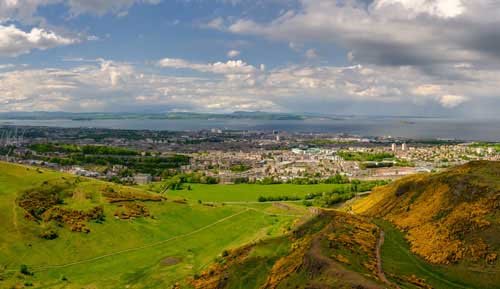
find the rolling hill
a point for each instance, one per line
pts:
(62, 231)
(424, 231)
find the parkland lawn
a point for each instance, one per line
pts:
(180, 240)
(247, 192)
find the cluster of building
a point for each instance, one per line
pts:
(445, 155)
(313, 162)
(252, 156)
(282, 165)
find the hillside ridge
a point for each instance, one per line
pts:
(448, 216)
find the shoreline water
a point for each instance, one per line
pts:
(408, 128)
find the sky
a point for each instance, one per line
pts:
(365, 57)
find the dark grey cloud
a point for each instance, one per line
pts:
(392, 32)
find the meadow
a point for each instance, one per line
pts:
(249, 192)
(177, 241)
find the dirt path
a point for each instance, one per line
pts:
(14, 216)
(380, 270)
(267, 213)
(419, 266)
(255, 202)
(336, 269)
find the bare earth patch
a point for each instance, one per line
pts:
(170, 261)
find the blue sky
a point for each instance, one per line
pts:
(149, 32)
(394, 57)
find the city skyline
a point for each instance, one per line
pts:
(381, 57)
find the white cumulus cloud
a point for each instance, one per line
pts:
(439, 8)
(229, 67)
(26, 10)
(311, 54)
(450, 100)
(103, 85)
(14, 41)
(233, 53)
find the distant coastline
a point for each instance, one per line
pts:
(412, 128)
(170, 115)
(252, 115)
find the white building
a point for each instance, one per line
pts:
(142, 179)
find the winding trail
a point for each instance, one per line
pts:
(256, 202)
(264, 212)
(14, 215)
(432, 274)
(381, 274)
(380, 270)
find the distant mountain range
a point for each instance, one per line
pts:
(254, 115)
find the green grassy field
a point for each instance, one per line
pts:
(399, 261)
(120, 253)
(248, 192)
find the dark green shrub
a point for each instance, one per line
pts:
(25, 270)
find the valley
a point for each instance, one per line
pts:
(249, 144)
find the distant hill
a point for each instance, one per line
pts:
(257, 115)
(450, 217)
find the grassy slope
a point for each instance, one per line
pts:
(20, 244)
(444, 216)
(248, 192)
(399, 261)
(253, 272)
(322, 253)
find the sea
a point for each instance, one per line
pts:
(413, 128)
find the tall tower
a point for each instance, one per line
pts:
(393, 147)
(403, 146)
